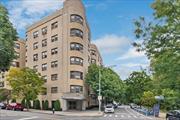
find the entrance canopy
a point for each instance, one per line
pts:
(73, 96)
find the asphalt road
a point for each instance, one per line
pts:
(122, 113)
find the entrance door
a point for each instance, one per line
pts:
(72, 105)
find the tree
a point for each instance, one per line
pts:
(111, 84)
(148, 99)
(7, 37)
(5, 94)
(161, 43)
(25, 83)
(137, 83)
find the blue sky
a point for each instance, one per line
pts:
(111, 24)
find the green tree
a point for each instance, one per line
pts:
(111, 84)
(5, 95)
(7, 37)
(161, 43)
(25, 83)
(148, 99)
(57, 105)
(137, 84)
(46, 105)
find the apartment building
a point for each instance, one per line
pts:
(59, 48)
(20, 51)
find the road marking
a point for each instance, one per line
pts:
(116, 116)
(129, 116)
(105, 115)
(29, 118)
(135, 116)
(122, 115)
(110, 115)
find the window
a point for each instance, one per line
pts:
(76, 18)
(76, 89)
(54, 25)
(54, 64)
(35, 45)
(44, 42)
(93, 61)
(76, 61)
(44, 54)
(76, 32)
(54, 38)
(54, 76)
(76, 46)
(35, 34)
(15, 64)
(35, 57)
(44, 31)
(54, 51)
(44, 78)
(17, 55)
(44, 66)
(93, 52)
(17, 45)
(35, 67)
(54, 89)
(76, 75)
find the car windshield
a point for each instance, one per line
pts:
(109, 106)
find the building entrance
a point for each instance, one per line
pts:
(72, 105)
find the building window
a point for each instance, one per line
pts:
(93, 61)
(54, 38)
(76, 18)
(35, 67)
(76, 75)
(17, 55)
(76, 32)
(44, 42)
(44, 66)
(54, 25)
(54, 64)
(76, 46)
(44, 78)
(93, 52)
(44, 54)
(76, 89)
(54, 51)
(35, 45)
(35, 34)
(76, 61)
(35, 57)
(17, 45)
(54, 89)
(44, 31)
(54, 76)
(15, 64)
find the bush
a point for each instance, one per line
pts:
(43, 105)
(57, 105)
(28, 103)
(36, 104)
(23, 102)
(46, 105)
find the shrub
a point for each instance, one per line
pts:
(43, 105)
(46, 105)
(23, 102)
(38, 104)
(57, 105)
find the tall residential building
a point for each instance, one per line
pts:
(20, 51)
(59, 48)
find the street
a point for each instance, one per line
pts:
(121, 113)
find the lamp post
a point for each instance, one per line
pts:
(99, 96)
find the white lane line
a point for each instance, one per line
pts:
(116, 116)
(135, 116)
(29, 118)
(105, 115)
(129, 116)
(122, 116)
(110, 115)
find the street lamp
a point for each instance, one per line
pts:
(99, 96)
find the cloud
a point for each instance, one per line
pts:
(111, 43)
(25, 12)
(131, 53)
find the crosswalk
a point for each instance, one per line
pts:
(124, 116)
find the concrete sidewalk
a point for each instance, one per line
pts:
(86, 113)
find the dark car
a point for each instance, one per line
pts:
(14, 106)
(173, 115)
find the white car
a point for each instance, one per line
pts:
(109, 109)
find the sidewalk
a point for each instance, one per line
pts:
(86, 113)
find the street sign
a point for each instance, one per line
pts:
(99, 97)
(159, 97)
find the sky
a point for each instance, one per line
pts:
(110, 21)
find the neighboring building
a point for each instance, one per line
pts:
(59, 48)
(18, 62)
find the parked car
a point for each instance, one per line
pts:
(2, 106)
(173, 115)
(109, 109)
(14, 106)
